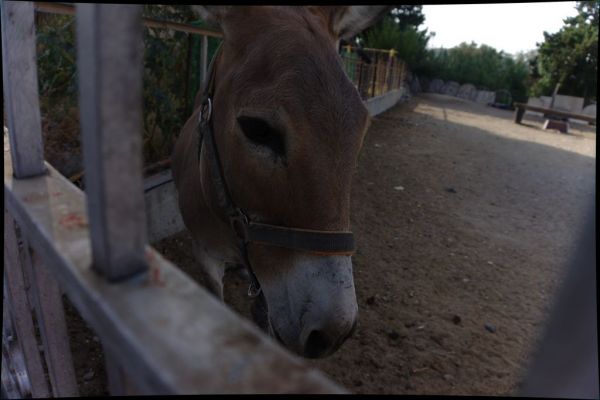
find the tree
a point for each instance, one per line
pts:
(388, 29)
(569, 57)
(482, 66)
(399, 31)
(408, 15)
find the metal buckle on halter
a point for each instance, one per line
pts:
(205, 111)
(239, 222)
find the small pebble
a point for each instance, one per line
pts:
(399, 187)
(490, 327)
(88, 376)
(448, 377)
(456, 319)
(450, 190)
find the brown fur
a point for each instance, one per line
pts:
(279, 63)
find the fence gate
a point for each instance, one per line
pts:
(161, 332)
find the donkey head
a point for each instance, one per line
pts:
(290, 125)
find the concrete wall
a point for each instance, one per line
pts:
(450, 88)
(590, 110)
(537, 102)
(467, 92)
(163, 218)
(379, 104)
(436, 86)
(564, 103)
(415, 85)
(568, 103)
(485, 97)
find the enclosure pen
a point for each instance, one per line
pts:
(162, 333)
(381, 75)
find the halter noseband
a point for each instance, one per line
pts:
(247, 231)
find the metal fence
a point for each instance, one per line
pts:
(161, 332)
(376, 74)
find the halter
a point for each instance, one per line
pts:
(247, 231)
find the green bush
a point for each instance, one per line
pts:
(409, 42)
(482, 66)
(171, 80)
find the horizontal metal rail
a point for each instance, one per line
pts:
(167, 332)
(67, 9)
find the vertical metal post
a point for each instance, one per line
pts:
(109, 62)
(47, 299)
(21, 310)
(19, 75)
(203, 59)
(374, 76)
(360, 76)
(119, 382)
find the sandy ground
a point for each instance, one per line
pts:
(464, 222)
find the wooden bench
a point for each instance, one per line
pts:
(554, 118)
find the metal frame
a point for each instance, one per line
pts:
(381, 77)
(167, 332)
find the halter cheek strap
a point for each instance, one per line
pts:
(307, 240)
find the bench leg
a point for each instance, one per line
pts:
(519, 115)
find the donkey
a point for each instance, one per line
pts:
(264, 165)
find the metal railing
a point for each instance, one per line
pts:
(161, 332)
(383, 73)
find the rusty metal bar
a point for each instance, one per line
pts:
(21, 310)
(47, 299)
(109, 62)
(19, 75)
(360, 79)
(15, 382)
(167, 332)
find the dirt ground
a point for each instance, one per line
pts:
(464, 224)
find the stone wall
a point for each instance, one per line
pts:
(467, 92)
(561, 102)
(450, 88)
(485, 97)
(436, 86)
(590, 110)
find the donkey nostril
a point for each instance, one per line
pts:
(316, 344)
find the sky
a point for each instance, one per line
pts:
(512, 27)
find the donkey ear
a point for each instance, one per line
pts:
(212, 14)
(347, 21)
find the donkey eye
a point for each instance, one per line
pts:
(262, 133)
